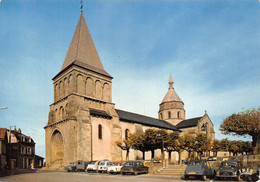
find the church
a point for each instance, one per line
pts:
(83, 122)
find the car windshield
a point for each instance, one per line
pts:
(110, 163)
(228, 164)
(195, 163)
(93, 162)
(102, 163)
(130, 164)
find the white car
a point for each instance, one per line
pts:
(104, 165)
(116, 168)
(93, 166)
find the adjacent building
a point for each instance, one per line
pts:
(3, 152)
(83, 122)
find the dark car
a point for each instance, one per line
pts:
(229, 169)
(82, 165)
(71, 167)
(134, 167)
(199, 169)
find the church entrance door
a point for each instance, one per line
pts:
(57, 148)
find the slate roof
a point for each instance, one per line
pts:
(95, 112)
(2, 133)
(188, 123)
(82, 51)
(144, 120)
(82, 47)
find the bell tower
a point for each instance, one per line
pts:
(82, 95)
(171, 108)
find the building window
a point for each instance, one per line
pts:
(100, 131)
(178, 114)
(126, 134)
(29, 151)
(169, 114)
(161, 116)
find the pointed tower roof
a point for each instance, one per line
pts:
(82, 50)
(171, 95)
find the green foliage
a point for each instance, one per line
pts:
(243, 123)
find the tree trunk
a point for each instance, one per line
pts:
(143, 155)
(152, 154)
(127, 155)
(169, 156)
(189, 155)
(179, 162)
(255, 138)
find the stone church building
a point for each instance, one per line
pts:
(83, 123)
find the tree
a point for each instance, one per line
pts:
(137, 142)
(175, 143)
(171, 143)
(224, 144)
(125, 145)
(150, 140)
(244, 123)
(216, 147)
(189, 144)
(201, 143)
(161, 140)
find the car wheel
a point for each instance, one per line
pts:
(68, 170)
(186, 177)
(203, 177)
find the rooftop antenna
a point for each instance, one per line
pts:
(81, 6)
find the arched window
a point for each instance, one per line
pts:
(99, 131)
(126, 134)
(169, 114)
(178, 114)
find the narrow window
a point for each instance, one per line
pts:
(178, 114)
(169, 114)
(100, 131)
(161, 116)
(126, 134)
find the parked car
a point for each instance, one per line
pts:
(82, 165)
(93, 166)
(104, 165)
(71, 167)
(229, 169)
(116, 168)
(200, 169)
(134, 167)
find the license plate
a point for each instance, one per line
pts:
(192, 173)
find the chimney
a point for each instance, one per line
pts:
(19, 130)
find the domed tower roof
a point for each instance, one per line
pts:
(171, 95)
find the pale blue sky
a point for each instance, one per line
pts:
(211, 47)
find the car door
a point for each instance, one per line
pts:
(142, 168)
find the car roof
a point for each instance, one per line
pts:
(230, 161)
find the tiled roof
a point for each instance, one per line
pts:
(188, 123)
(2, 133)
(144, 120)
(95, 112)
